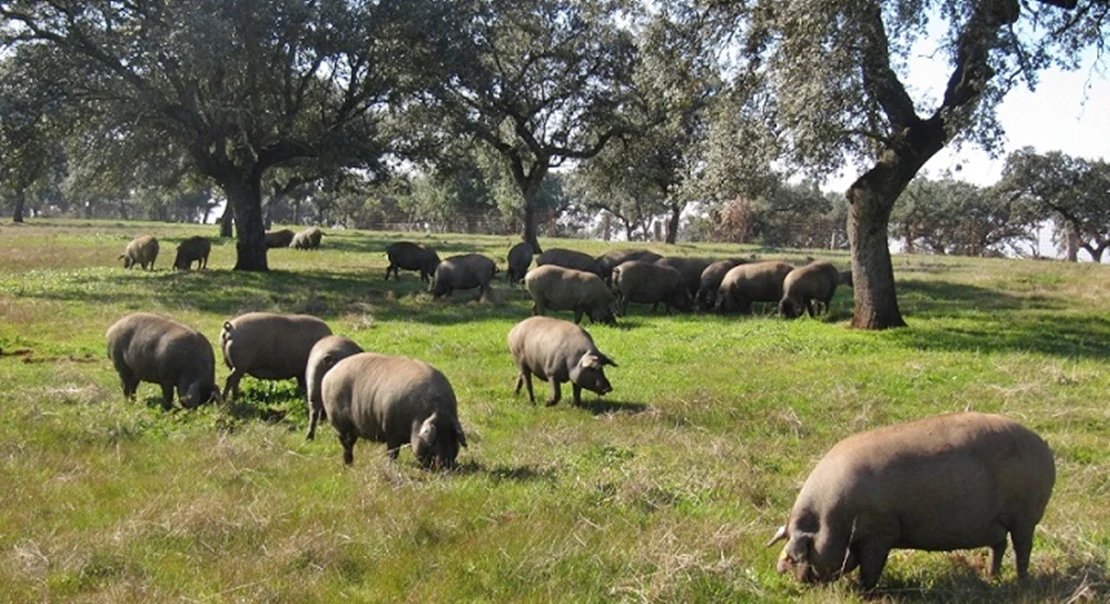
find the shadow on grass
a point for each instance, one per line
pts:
(501, 473)
(1085, 582)
(600, 406)
(994, 321)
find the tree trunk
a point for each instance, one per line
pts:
(528, 218)
(20, 200)
(227, 220)
(1071, 242)
(673, 223)
(245, 198)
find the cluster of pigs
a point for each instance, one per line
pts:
(143, 250)
(602, 288)
(872, 492)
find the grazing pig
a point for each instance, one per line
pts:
(193, 249)
(142, 250)
(558, 351)
(280, 238)
(569, 259)
(308, 239)
(808, 288)
(411, 257)
(323, 356)
(395, 400)
(747, 283)
(557, 288)
(520, 258)
(690, 269)
(614, 258)
(948, 482)
(465, 271)
(149, 348)
(710, 282)
(269, 346)
(650, 283)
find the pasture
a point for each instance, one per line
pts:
(664, 490)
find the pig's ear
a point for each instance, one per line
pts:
(779, 536)
(589, 360)
(605, 360)
(427, 432)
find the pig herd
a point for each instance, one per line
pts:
(143, 250)
(872, 492)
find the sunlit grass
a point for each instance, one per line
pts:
(664, 490)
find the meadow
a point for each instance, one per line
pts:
(664, 490)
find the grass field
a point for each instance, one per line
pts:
(664, 490)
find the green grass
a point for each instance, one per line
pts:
(664, 490)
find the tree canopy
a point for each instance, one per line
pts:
(231, 88)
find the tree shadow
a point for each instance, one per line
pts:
(1035, 324)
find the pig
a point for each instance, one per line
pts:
(142, 250)
(395, 400)
(308, 239)
(465, 271)
(613, 258)
(690, 269)
(280, 238)
(146, 347)
(808, 288)
(557, 288)
(520, 258)
(955, 481)
(192, 249)
(569, 259)
(650, 283)
(269, 346)
(558, 351)
(411, 257)
(710, 282)
(747, 283)
(323, 356)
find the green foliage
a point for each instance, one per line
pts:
(664, 490)
(955, 217)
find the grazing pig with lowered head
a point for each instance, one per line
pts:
(323, 356)
(395, 400)
(141, 250)
(557, 288)
(465, 271)
(710, 282)
(308, 239)
(281, 238)
(558, 351)
(748, 283)
(955, 481)
(193, 249)
(808, 288)
(614, 258)
(411, 257)
(148, 348)
(650, 283)
(269, 346)
(520, 258)
(571, 259)
(690, 269)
